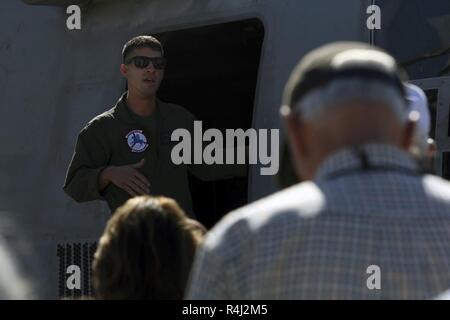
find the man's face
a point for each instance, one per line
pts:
(143, 81)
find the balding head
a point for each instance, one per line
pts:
(339, 96)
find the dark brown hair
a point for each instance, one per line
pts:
(140, 42)
(146, 251)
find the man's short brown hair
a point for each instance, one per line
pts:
(140, 42)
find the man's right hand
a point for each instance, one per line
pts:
(128, 178)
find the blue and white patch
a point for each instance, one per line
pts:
(136, 141)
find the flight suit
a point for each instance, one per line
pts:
(120, 137)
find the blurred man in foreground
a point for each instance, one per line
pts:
(365, 224)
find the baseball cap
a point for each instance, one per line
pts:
(417, 101)
(338, 60)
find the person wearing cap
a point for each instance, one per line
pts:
(423, 147)
(364, 223)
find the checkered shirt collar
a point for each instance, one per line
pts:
(376, 155)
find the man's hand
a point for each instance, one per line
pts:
(128, 178)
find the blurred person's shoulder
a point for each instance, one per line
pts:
(12, 285)
(437, 189)
(19, 265)
(283, 209)
(443, 296)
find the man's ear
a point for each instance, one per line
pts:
(295, 138)
(123, 70)
(293, 124)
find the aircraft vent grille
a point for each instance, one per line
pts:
(79, 255)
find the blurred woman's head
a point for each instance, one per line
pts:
(146, 251)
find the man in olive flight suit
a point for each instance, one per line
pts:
(126, 151)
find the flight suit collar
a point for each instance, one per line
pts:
(123, 112)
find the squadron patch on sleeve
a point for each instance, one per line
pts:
(136, 141)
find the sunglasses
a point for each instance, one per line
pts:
(142, 62)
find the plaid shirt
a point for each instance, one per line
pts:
(318, 240)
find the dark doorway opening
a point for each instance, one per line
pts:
(212, 71)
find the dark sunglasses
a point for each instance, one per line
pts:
(142, 62)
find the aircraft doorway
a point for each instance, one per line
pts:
(212, 71)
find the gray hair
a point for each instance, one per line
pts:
(338, 92)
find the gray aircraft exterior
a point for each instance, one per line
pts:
(228, 63)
